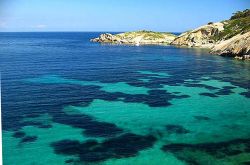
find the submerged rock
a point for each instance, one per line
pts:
(19, 134)
(92, 151)
(197, 153)
(28, 139)
(136, 38)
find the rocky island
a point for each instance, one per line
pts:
(227, 38)
(142, 37)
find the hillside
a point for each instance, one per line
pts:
(228, 38)
(239, 23)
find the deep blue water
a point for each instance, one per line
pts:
(55, 85)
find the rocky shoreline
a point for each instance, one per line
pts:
(142, 37)
(227, 38)
(237, 46)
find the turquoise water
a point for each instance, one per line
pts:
(68, 101)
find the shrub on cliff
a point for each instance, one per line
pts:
(239, 23)
(241, 14)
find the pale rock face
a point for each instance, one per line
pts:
(200, 37)
(106, 38)
(238, 45)
(136, 38)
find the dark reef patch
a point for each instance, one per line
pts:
(32, 115)
(217, 150)
(54, 99)
(19, 134)
(28, 139)
(36, 124)
(226, 90)
(91, 126)
(52, 102)
(31, 123)
(246, 94)
(229, 87)
(201, 118)
(45, 126)
(154, 98)
(69, 161)
(189, 84)
(126, 145)
(150, 84)
(208, 94)
(245, 163)
(176, 129)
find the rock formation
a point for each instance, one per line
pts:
(228, 38)
(200, 37)
(136, 38)
(237, 46)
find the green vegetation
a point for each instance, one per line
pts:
(153, 35)
(241, 14)
(239, 23)
(150, 35)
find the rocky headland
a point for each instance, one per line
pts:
(142, 37)
(227, 38)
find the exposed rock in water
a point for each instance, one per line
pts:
(237, 46)
(200, 37)
(136, 38)
(107, 37)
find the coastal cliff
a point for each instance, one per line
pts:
(237, 46)
(200, 37)
(227, 38)
(136, 38)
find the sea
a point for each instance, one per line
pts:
(68, 101)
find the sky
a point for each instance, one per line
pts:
(114, 15)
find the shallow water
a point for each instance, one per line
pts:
(66, 100)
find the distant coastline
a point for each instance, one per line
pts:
(227, 38)
(142, 37)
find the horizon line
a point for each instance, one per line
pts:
(79, 31)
